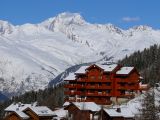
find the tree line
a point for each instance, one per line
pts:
(50, 97)
(147, 62)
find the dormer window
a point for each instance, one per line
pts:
(93, 77)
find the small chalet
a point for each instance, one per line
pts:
(28, 112)
(82, 110)
(60, 114)
(119, 113)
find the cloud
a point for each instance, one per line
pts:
(130, 19)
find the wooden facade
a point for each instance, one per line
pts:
(74, 113)
(34, 116)
(103, 115)
(14, 116)
(27, 114)
(98, 85)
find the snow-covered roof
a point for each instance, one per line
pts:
(42, 111)
(18, 109)
(125, 112)
(82, 69)
(71, 76)
(61, 113)
(18, 106)
(125, 70)
(22, 114)
(66, 103)
(87, 106)
(108, 68)
(112, 112)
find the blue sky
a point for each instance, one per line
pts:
(122, 13)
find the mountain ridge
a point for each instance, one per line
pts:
(34, 54)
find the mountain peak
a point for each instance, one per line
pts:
(70, 18)
(142, 28)
(63, 19)
(5, 27)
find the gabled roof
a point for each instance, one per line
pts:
(19, 114)
(81, 70)
(18, 106)
(87, 106)
(124, 112)
(108, 68)
(71, 76)
(18, 109)
(61, 113)
(66, 104)
(41, 110)
(112, 112)
(124, 70)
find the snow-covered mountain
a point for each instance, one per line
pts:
(33, 54)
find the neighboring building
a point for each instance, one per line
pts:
(17, 116)
(15, 111)
(28, 112)
(98, 83)
(119, 113)
(82, 110)
(60, 114)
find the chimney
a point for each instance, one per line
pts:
(17, 109)
(118, 109)
(19, 104)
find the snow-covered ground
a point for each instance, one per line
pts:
(33, 54)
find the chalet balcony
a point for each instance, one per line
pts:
(143, 87)
(126, 95)
(132, 87)
(69, 86)
(98, 87)
(127, 80)
(72, 92)
(127, 87)
(101, 102)
(98, 81)
(98, 94)
(81, 80)
(78, 86)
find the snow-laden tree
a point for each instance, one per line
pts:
(148, 111)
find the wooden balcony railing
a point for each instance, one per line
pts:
(69, 86)
(130, 95)
(98, 94)
(102, 102)
(98, 80)
(98, 87)
(127, 80)
(72, 92)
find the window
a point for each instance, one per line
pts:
(107, 77)
(100, 84)
(108, 91)
(99, 77)
(122, 92)
(108, 83)
(93, 77)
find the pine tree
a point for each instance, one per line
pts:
(149, 111)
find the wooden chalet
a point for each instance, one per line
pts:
(98, 83)
(121, 113)
(28, 112)
(82, 110)
(17, 116)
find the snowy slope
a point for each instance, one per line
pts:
(33, 54)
